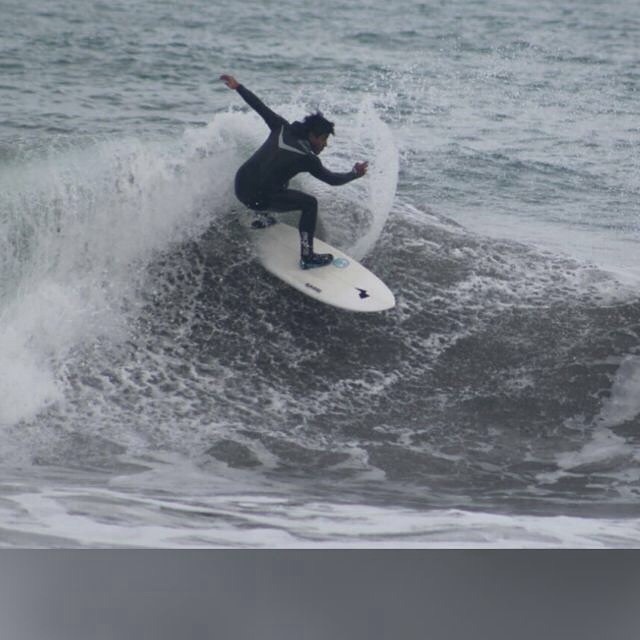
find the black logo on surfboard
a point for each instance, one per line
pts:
(362, 293)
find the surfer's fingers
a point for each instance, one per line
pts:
(229, 80)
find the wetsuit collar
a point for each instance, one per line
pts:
(306, 146)
(283, 145)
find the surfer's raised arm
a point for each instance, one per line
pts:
(272, 119)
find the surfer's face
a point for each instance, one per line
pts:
(318, 143)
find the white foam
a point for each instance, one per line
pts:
(25, 384)
(624, 401)
(603, 446)
(176, 505)
(76, 232)
(382, 177)
(614, 253)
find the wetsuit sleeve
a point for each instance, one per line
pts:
(272, 119)
(317, 170)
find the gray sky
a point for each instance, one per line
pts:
(313, 595)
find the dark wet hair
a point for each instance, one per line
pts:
(314, 123)
(317, 124)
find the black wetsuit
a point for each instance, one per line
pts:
(262, 181)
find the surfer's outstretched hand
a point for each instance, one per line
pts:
(360, 168)
(230, 81)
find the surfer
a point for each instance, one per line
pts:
(262, 181)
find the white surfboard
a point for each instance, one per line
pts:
(345, 283)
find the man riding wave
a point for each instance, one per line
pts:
(262, 181)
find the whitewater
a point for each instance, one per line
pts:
(159, 389)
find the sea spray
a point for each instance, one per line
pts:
(78, 227)
(374, 135)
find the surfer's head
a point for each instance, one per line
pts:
(318, 142)
(315, 128)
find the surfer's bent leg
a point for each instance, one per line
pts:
(292, 200)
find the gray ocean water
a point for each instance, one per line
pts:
(159, 388)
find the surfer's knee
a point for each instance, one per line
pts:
(309, 204)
